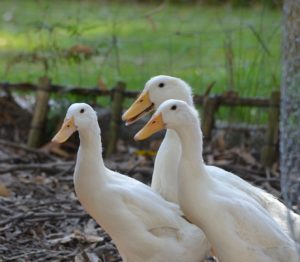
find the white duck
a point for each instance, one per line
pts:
(143, 225)
(237, 226)
(164, 181)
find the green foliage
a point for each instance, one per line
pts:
(82, 42)
(233, 3)
(247, 3)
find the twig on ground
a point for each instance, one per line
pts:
(6, 210)
(45, 215)
(49, 167)
(27, 149)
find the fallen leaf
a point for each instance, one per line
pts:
(55, 148)
(77, 235)
(145, 153)
(4, 191)
(247, 158)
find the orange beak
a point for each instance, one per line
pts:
(154, 125)
(67, 129)
(141, 106)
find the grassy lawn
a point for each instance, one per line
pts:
(237, 48)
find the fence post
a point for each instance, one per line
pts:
(269, 152)
(210, 106)
(116, 113)
(40, 113)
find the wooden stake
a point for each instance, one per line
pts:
(269, 152)
(40, 113)
(210, 106)
(116, 109)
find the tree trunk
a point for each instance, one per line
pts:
(290, 104)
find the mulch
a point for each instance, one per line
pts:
(41, 218)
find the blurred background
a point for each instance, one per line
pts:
(225, 48)
(235, 44)
(54, 53)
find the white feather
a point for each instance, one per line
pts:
(164, 178)
(144, 226)
(237, 225)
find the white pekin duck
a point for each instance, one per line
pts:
(237, 226)
(164, 180)
(144, 226)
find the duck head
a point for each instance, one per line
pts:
(157, 90)
(170, 114)
(79, 117)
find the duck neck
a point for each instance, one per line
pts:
(192, 144)
(165, 173)
(90, 150)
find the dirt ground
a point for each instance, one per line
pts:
(40, 216)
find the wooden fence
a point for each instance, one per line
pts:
(210, 104)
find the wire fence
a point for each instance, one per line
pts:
(101, 43)
(111, 45)
(210, 106)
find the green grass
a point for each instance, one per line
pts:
(184, 41)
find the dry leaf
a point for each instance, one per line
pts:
(145, 153)
(87, 237)
(77, 235)
(222, 162)
(102, 85)
(248, 158)
(55, 148)
(4, 191)
(81, 49)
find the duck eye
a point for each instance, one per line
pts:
(174, 107)
(82, 111)
(161, 85)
